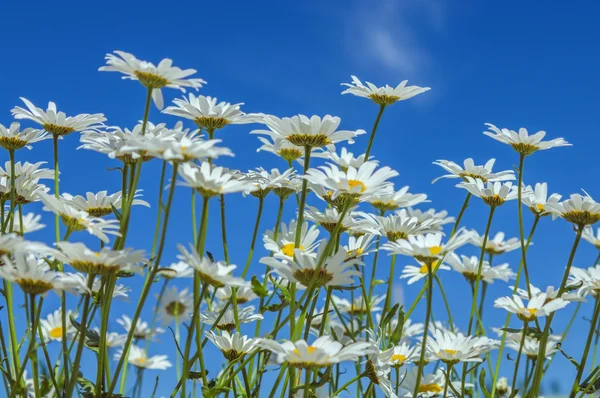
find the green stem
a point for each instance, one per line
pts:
(447, 378)
(388, 296)
(159, 207)
(261, 201)
(521, 232)
(224, 229)
(347, 384)
(516, 372)
(586, 350)
(374, 130)
(447, 304)
(425, 330)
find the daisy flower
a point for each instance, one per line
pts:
(288, 186)
(243, 295)
(385, 95)
(321, 353)
(33, 275)
(537, 198)
(330, 218)
(355, 185)
(437, 219)
(142, 329)
(26, 190)
(175, 305)
(387, 201)
(31, 171)
(52, 326)
(207, 113)
(344, 160)
(579, 210)
(285, 244)
(305, 269)
(588, 278)
(430, 385)
(531, 346)
(78, 220)
(212, 181)
(399, 225)
(227, 321)
(502, 387)
(13, 138)
(31, 223)
(483, 173)
(176, 270)
(138, 358)
(416, 273)
(588, 235)
(468, 266)
(551, 293)
(100, 204)
(497, 245)
(57, 123)
(216, 274)
(522, 142)
(427, 248)
(104, 262)
(304, 131)
(359, 247)
(358, 306)
(452, 348)
(279, 146)
(265, 181)
(233, 346)
(492, 193)
(11, 243)
(152, 77)
(537, 307)
(114, 339)
(119, 291)
(403, 354)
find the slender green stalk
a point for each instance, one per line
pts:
(261, 201)
(347, 384)
(34, 358)
(105, 311)
(13, 191)
(539, 365)
(521, 233)
(477, 283)
(516, 372)
(14, 345)
(426, 329)
(447, 304)
(448, 379)
(374, 130)
(586, 350)
(159, 207)
(224, 229)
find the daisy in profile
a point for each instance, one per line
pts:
(176, 305)
(52, 328)
(403, 354)
(285, 244)
(359, 247)
(273, 143)
(12, 243)
(531, 345)
(214, 273)
(354, 185)
(330, 218)
(496, 245)
(304, 131)
(492, 193)
(551, 293)
(589, 236)
(385, 95)
(33, 275)
(114, 339)
(142, 330)
(209, 114)
(243, 295)
(322, 353)
(13, 138)
(233, 346)
(152, 77)
(212, 181)
(415, 273)
(265, 181)
(30, 171)
(399, 225)
(55, 122)
(522, 142)
(227, 321)
(78, 220)
(100, 204)
(26, 190)
(452, 348)
(430, 385)
(31, 223)
(394, 200)
(588, 278)
(578, 209)
(138, 358)
(427, 248)
(307, 270)
(483, 173)
(537, 307)
(176, 270)
(537, 198)
(344, 160)
(468, 266)
(105, 262)
(436, 219)
(288, 186)
(358, 306)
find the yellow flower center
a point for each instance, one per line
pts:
(435, 250)
(356, 183)
(540, 207)
(56, 333)
(424, 269)
(398, 358)
(142, 360)
(450, 352)
(430, 388)
(288, 249)
(532, 312)
(310, 350)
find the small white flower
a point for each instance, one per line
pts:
(233, 346)
(52, 326)
(483, 173)
(285, 244)
(104, 262)
(211, 181)
(452, 348)
(588, 235)
(217, 274)
(496, 245)
(30, 171)
(537, 307)
(207, 113)
(416, 273)
(550, 292)
(469, 268)
(588, 278)
(152, 77)
(399, 225)
(176, 270)
(55, 122)
(578, 209)
(31, 223)
(359, 247)
(243, 295)
(227, 321)
(100, 204)
(114, 339)
(175, 305)
(387, 201)
(403, 354)
(429, 247)
(522, 142)
(537, 198)
(344, 160)
(11, 243)
(330, 218)
(492, 193)
(431, 385)
(385, 95)
(358, 306)
(138, 358)
(437, 219)
(13, 138)
(142, 329)
(265, 181)
(26, 190)
(321, 353)
(304, 131)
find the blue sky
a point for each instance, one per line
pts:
(517, 64)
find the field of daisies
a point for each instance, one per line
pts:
(308, 313)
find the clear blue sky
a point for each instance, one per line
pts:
(518, 64)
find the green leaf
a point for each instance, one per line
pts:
(571, 359)
(258, 288)
(511, 330)
(570, 288)
(116, 211)
(484, 390)
(397, 333)
(387, 317)
(273, 307)
(196, 375)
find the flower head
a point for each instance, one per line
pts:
(522, 142)
(285, 244)
(176, 305)
(138, 358)
(387, 201)
(13, 138)
(415, 273)
(142, 329)
(492, 193)
(233, 346)
(385, 95)
(579, 210)
(216, 274)
(496, 245)
(207, 113)
(469, 268)
(227, 321)
(104, 262)
(452, 348)
(537, 198)
(429, 247)
(52, 326)
(211, 181)
(100, 204)
(483, 173)
(537, 307)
